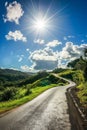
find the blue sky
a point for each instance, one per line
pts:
(41, 34)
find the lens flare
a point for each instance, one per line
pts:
(40, 24)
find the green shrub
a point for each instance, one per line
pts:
(28, 91)
(82, 93)
(8, 93)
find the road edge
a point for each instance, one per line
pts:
(77, 117)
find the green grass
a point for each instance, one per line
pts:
(8, 105)
(82, 93)
(74, 75)
(78, 77)
(28, 92)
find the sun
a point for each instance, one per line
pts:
(40, 24)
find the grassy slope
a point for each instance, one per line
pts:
(8, 105)
(77, 76)
(36, 88)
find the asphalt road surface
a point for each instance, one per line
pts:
(49, 111)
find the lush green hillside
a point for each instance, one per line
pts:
(10, 77)
(79, 75)
(26, 89)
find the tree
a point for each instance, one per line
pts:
(73, 63)
(8, 94)
(85, 53)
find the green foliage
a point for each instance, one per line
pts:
(82, 93)
(73, 63)
(58, 70)
(34, 78)
(78, 77)
(5, 106)
(28, 91)
(13, 97)
(10, 77)
(53, 79)
(68, 74)
(78, 64)
(74, 75)
(85, 72)
(8, 94)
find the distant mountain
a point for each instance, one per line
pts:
(9, 75)
(11, 71)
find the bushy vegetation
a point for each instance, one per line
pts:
(58, 70)
(78, 74)
(7, 105)
(25, 90)
(74, 75)
(82, 93)
(8, 94)
(33, 78)
(11, 78)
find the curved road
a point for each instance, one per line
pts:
(49, 111)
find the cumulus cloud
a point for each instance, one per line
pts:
(14, 12)
(44, 59)
(71, 36)
(26, 68)
(27, 49)
(39, 41)
(6, 3)
(68, 37)
(47, 59)
(53, 43)
(71, 52)
(20, 58)
(16, 36)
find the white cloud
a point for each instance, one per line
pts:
(53, 43)
(12, 68)
(14, 12)
(16, 36)
(71, 52)
(6, 3)
(48, 59)
(71, 36)
(68, 37)
(26, 68)
(27, 49)
(44, 59)
(20, 58)
(39, 41)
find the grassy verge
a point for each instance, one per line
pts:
(81, 88)
(82, 93)
(8, 105)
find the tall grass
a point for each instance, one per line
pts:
(8, 105)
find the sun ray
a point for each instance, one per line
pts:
(41, 22)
